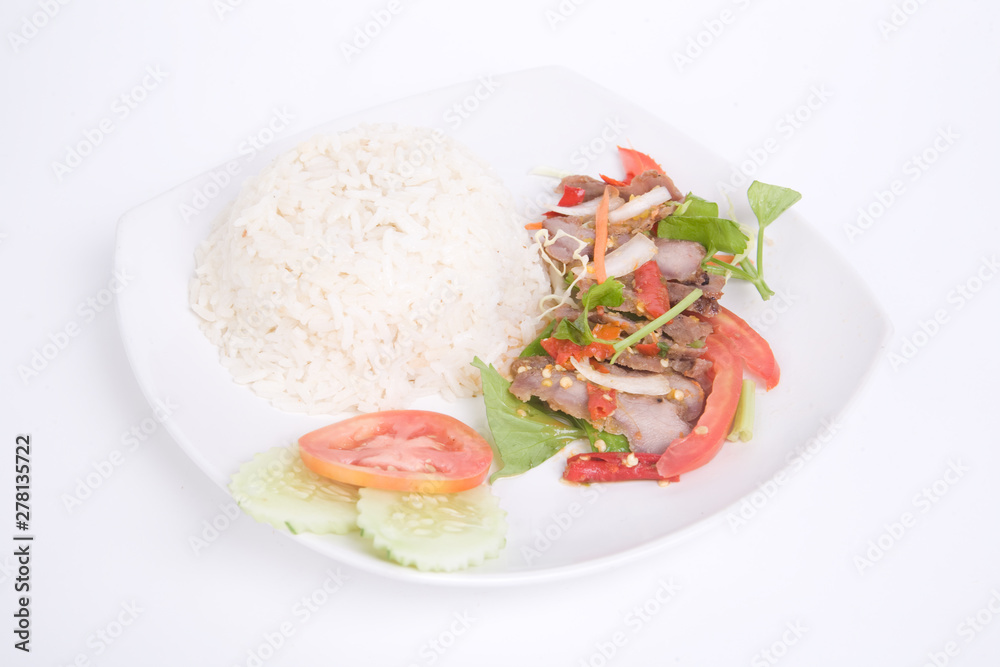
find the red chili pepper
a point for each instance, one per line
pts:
(614, 181)
(651, 289)
(601, 402)
(747, 344)
(562, 350)
(635, 163)
(648, 349)
(613, 467)
(700, 445)
(570, 197)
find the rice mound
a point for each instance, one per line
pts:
(365, 269)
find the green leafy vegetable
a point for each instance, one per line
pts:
(716, 234)
(696, 206)
(612, 442)
(609, 293)
(523, 435)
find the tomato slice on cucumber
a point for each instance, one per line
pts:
(399, 450)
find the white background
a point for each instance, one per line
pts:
(890, 89)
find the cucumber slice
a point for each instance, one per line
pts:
(277, 488)
(436, 532)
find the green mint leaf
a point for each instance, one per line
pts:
(770, 201)
(520, 441)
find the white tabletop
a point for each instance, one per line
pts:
(882, 549)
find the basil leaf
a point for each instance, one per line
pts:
(520, 442)
(716, 234)
(535, 348)
(769, 201)
(570, 330)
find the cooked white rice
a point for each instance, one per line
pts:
(366, 269)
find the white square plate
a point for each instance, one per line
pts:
(824, 326)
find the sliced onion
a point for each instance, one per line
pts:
(588, 207)
(640, 204)
(628, 257)
(654, 384)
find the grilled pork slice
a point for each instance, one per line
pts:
(591, 186)
(650, 423)
(560, 389)
(679, 260)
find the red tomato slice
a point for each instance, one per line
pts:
(747, 344)
(399, 450)
(700, 445)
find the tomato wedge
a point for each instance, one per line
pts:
(747, 344)
(399, 450)
(651, 290)
(700, 445)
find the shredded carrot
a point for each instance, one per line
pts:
(533, 226)
(601, 236)
(722, 257)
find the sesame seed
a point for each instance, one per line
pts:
(580, 377)
(631, 460)
(546, 373)
(566, 382)
(522, 369)
(677, 395)
(546, 383)
(663, 482)
(521, 413)
(664, 363)
(701, 430)
(600, 445)
(606, 397)
(560, 368)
